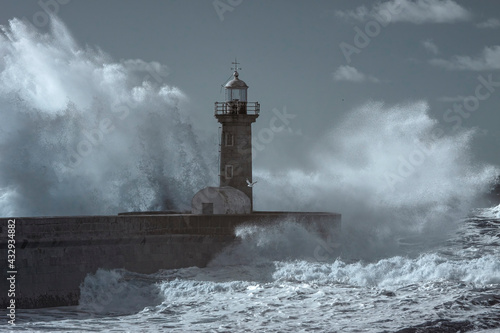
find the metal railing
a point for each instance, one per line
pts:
(237, 107)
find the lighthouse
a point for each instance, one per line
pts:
(236, 115)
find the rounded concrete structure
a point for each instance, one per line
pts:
(221, 200)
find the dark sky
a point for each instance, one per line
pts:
(316, 59)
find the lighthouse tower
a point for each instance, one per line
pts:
(236, 116)
(234, 193)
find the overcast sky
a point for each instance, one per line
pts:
(315, 59)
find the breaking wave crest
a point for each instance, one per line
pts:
(392, 172)
(395, 271)
(84, 134)
(110, 291)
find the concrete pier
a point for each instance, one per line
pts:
(55, 254)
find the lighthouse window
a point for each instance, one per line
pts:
(240, 95)
(229, 139)
(229, 171)
(236, 95)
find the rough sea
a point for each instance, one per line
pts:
(83, 134)
(454, 287)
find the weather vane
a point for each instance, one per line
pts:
(235, 63)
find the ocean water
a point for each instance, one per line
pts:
(260, 285)
(82, 133)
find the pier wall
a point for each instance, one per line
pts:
(55, 254)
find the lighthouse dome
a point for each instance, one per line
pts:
(236, 83)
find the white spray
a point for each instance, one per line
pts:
(395, 175)
(82, 134)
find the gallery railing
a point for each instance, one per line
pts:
(237, 107)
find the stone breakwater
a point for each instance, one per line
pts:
(55, 254)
